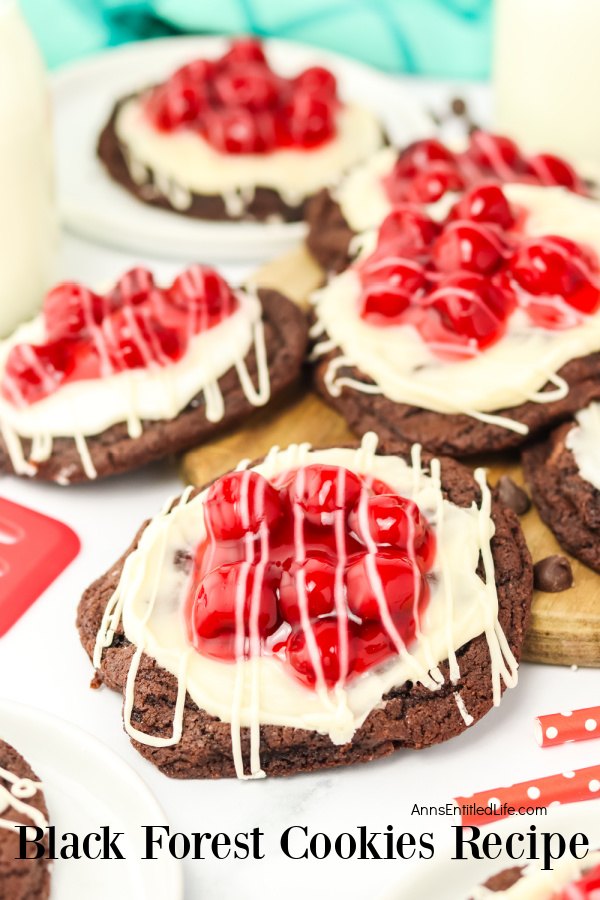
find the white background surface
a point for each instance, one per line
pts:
(42, 663)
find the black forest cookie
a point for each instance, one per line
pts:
(423, 173)
(319, 608)
(563, 472)
(230, 138)
(21, 803)
(471, 331)
(102, 383)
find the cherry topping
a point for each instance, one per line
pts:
(467, 245)
(485, 203)
(330, 591)
(214, 611)
(318, 579)
(586, 887)
(239, 503)
(394, 521)
(386, 580)
(472, 308)
(240, 106)
(408, 230)
(427, 170)
(556, 267)
(327, 638)
(135, 325)
(321, 490)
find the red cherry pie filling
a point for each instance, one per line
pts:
(136, 325)
(427, 169)
(324, 569)
(238, 104)
(458, 282)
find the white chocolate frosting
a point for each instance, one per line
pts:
(361, 195)
(510, 372)
(84, 408)
(536, 884)
(259, 691)
(184, 163)
(584, 443)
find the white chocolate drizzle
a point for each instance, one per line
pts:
(160, 391)
(14, 791)
(257, 690)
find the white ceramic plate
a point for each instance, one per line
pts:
(86, 786)
(460, 877)
(91, 204)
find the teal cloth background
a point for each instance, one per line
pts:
(433, 37)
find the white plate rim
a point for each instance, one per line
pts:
(89, 743)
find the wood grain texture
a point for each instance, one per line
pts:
(565, 627)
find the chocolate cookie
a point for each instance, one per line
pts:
(265, 204)
(20, 879)
(114, 451)
(568, 503)
(412, 715)
(457, 435)
(329, 235)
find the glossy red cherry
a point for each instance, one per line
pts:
(407, 231)
(197, 73)
(202, 290)
(555, 267)
(420, 156)
(384, 303)
(318, 577)
(311, 119)
(239, 503)
(471, 307)
(214, 617)
(71, 309)
(432, 183)
(551, 170)
(134, 288)
(245, 50)
(485, 204)
(234, 130)
(496, 154)
(386, 580)
(321, 490)
(33, 372)
(318, 81)
(326, 634)
(372, 646)
(175, 104)
(469, 246)
(396, 522)
(251, 86)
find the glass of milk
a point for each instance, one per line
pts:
(28, 222)
(547, 76)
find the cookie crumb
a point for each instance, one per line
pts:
(513, 496)
(97, 681)
(553, 574)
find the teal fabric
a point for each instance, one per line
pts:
(449, 38)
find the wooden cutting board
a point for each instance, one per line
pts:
(565, 627)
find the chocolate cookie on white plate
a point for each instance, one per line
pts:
(22, 803)
(470, 332)
(100, 383)
(300, 613)
(233, 139)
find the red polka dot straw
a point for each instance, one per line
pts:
(553, 790)
(568, 727)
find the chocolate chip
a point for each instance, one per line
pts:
(513, 496)
(458, 106)
(553, 574)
